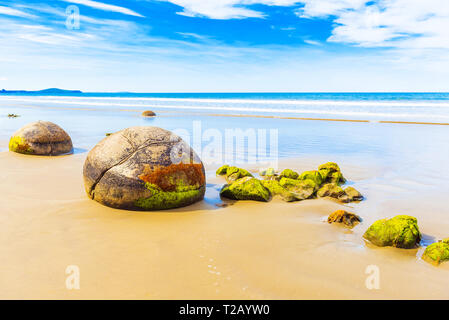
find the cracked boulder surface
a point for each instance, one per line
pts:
(144, 168)
(41, 138)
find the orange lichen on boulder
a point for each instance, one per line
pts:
(172, 177)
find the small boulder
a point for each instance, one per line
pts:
(437, 252)
(144, 168)
(290, 174)
(351, 194)
(246, 188)
(301, 189)
(222, 170)
(401, 232)
(331, 166)
(233, 173)
(315, 176)
(267, 173)
(347, 218)
(148, 113)
(331, 190)
(41, 138)
(276, 189)
(330, 173)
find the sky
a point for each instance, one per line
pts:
(225, 45)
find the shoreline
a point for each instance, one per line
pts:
(248, 250)
(156, 108)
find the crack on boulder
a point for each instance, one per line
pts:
(135, 150)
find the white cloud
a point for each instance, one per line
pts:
(325, 8)
(225, 9)
(411, 24)
(105, 7)
(14, 12)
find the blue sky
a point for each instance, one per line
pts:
(225, 45)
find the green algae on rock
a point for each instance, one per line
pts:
(41, 138)
(314, 175)
(270, 172)
(276, 189)
(222, 170)
(437, 252)
(301, 189)
(233, 173)
(330, 173)
(347, 218)
(161, 200)
(246, 188)
(401, 231)
(331, 166)
(289, 173)
(144, 168)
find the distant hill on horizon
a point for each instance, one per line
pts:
(45, 91)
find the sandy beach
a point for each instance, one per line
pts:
(248, 250)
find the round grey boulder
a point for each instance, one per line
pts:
(41, 138)
(144, 168)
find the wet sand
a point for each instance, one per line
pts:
(248, 250)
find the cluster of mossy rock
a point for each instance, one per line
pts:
(289, 185)
(401, 231)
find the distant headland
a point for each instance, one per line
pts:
(45, 91)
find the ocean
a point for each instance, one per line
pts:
(89, 116)
(420, 107)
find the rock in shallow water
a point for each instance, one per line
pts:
(148, 113)
(347, 218)
(233, 173)
(401, 232)
(41, 138)
(437, 252)
(144, 168)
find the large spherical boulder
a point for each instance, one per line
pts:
(144, 168)
(41, 138)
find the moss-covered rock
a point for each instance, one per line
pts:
(336, 177)
(41, 138)
(267, 172)
(276, 189)
(437, 252)
(330, 166)
(233, 173)
(330, 173)
(143, 168)
(314, 175)
(289, 173)
(330, 190)
(301, 189)
(401, 232)
(347, 218)
(222, 170)
(246, 188)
